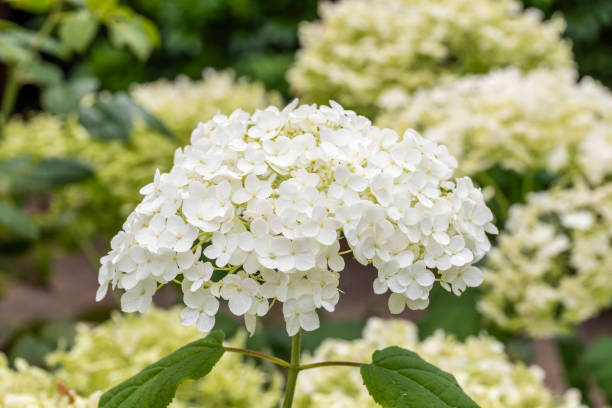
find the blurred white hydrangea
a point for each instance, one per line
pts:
(116, 350)
(540, 120)
(31, 387)
(183, 102)
(479, 364)
(552, 269)
(270, 199)
(363, 50)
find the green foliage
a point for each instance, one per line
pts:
(399, 378)
(598, 362)
(78, 29)
(257, 38)
(65, 97)
(24, 175)
(589, 26)
(112, 118)
(456, 315)
(107, 119)
(16, 220)
(156, 385)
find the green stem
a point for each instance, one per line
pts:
(252, 353)
(12, 75)
(9, 96)
(294, 369)
(330, 363)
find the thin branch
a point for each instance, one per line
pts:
(257, 354)
(331, 363)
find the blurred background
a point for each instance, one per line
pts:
(97, 94)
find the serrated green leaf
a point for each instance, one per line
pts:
(16, 220)
(65, 97)
(107, 119)
(399, 378)
(41, 73)
(598, 361)
(78, 29)
(155, 386)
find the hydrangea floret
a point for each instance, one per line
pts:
(261, 207)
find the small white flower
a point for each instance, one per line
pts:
(201, 309)
(300, 313)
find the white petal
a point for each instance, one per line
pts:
(240, 304)
(189, 316)
(309, 321)
(397, 303)
(205, 323)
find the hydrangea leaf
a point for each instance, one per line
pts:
(17, 221)
(78, 29)
(155, 386)
(399, 378)
(598, 361)
(107, 119)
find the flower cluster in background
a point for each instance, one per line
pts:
(526, 122)
(268, 199)
(114, 351)
(551, 267)
(183, 103)
(479, 364)
(32, 387)
(358, 53)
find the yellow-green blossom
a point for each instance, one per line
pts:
(361, 50)
(119, 348)
(551, 268)
(479, 364)
(32, 387)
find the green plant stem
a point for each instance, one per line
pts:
(257, 354)
(12, 86)
(294, 370)
(330, 363)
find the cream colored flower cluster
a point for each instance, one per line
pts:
(32, 387)
(267, 198)
(363, 49)
(114, 351)
(479, 364)
(183, 103)
(552, 267)
(122, 168)
(540, 120)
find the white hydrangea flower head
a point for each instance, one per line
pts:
(498, 119)
(551, 268)
(270, 201)
(479, 364)
(365, 51)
